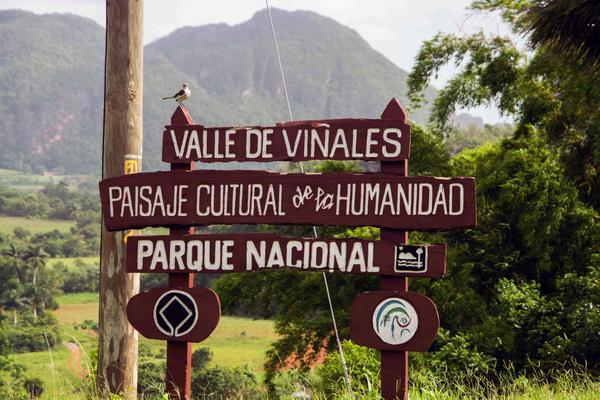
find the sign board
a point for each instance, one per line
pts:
(182, 315)
(180, 198)
(265, 252)
(396, 321)
(342, 139)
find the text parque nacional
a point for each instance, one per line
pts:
(244, 252)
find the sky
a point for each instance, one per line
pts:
(396, 28)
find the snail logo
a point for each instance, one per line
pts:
(395, 321)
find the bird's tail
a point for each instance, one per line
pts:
(166, 98)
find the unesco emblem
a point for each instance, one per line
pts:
(175, 313)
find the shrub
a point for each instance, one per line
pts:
(34, 387)
(363, 367)
(151, 378)
(222, 383)
(201, 357)
(32, 336)
(457, 356)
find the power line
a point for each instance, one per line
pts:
(314, 228)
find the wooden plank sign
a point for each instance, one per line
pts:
(180, 315)
(341, 139)
(394, 320)
(226, 253)
(180, 198)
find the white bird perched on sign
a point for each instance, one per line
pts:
(182, 95)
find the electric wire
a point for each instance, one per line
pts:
(314, 228)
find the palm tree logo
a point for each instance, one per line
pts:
(395, 321)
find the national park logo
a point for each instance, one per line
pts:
(395, 320)
(411, 258)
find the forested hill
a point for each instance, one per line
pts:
(51, 81)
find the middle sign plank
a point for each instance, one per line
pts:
(185, 198)
(224, 253)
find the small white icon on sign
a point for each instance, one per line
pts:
(411, 258)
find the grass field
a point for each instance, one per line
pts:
(31, 183)
(34, 225)
(71, 262)
(235, 342)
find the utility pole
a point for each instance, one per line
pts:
(122, 154)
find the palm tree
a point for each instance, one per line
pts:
(17, 255)
(36, 258)
(567, 26)
(15, 300)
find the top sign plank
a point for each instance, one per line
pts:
(187, 198)
(334, 139)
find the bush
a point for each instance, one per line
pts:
(11, 380)
(151, 378)
(93, 326)
(34, 387)
(201, 357)
(32, 337)
(222, 383)
(458, 357)
(363, 367)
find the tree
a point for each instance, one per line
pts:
(545, 89)
(565, 26)
(16, 254)
(298, 301)
(36, 258)
(528, 272)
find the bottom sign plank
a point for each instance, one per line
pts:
(396, 321)
(181, 315)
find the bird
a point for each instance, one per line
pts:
(180, 96)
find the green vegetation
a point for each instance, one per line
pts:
(54, 123)
(235, 343)
(76, 298)
(520, 299)
(31, 183)
(33, 225)
(529, 274)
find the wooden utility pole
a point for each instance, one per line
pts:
(118, 341)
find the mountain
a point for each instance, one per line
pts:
(51, 81)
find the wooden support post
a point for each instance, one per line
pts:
(394, 364)
(117, 354)
(179, 354)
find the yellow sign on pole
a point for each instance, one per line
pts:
(131, 167)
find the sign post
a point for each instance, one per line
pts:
(179, 354)
(392, 320)
(394, 364)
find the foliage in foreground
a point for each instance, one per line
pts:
(529, 274)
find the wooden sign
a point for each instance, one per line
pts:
(265, 252)
(180, 198)
(394, 320)
(181, 315)
(341, 139)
